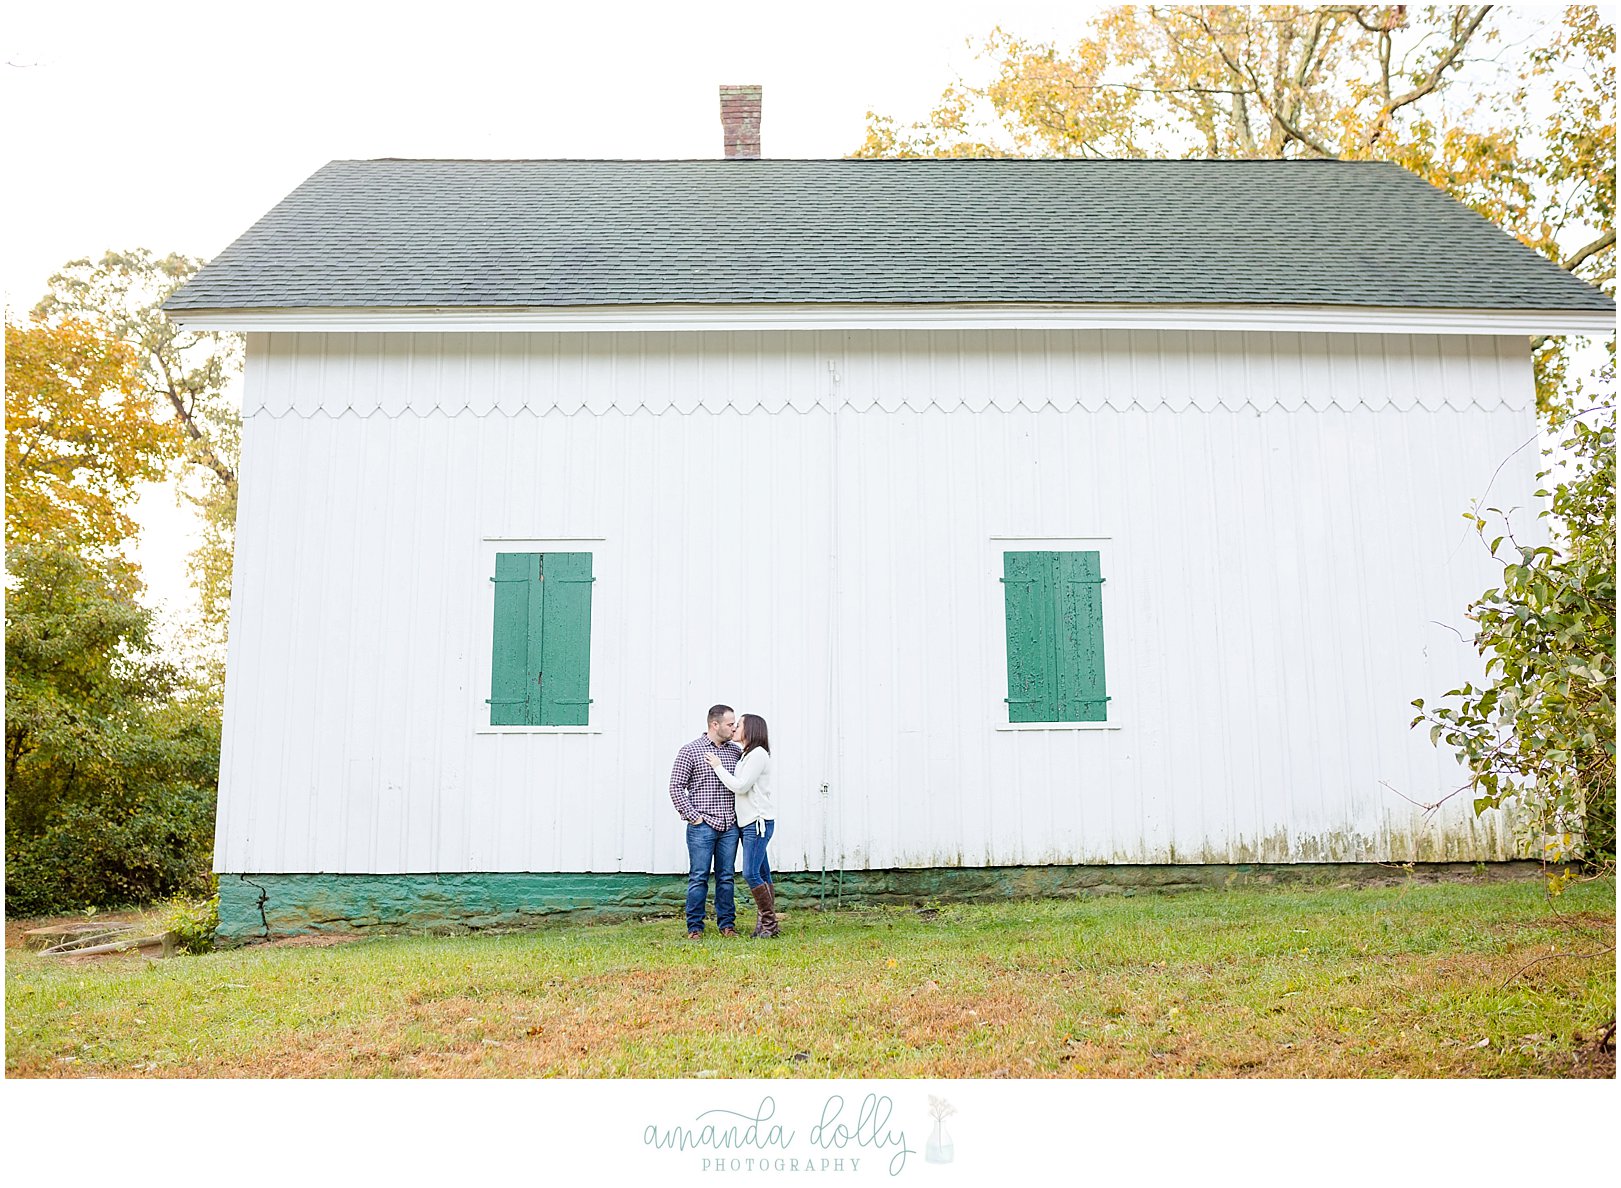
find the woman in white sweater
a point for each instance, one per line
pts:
(751, 784)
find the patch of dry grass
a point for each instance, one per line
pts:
(1459, 979)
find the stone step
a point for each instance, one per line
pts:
(78, 932)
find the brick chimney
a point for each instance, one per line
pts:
(740, 121)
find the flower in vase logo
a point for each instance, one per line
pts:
(938, 1149)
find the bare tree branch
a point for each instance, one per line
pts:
(1448, 57)
(1598, 245)
(1450, 628)
(1290, 127)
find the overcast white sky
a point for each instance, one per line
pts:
(174, 127)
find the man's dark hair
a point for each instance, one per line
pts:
(717, 712)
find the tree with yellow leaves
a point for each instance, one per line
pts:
(79, 436)
(184, 375)
(111, 756)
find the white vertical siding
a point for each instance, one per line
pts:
(1284, 515)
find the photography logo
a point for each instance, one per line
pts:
(844, 1138)
(939, 1148)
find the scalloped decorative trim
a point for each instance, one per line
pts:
(888, 370)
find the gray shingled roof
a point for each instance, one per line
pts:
(394, 233)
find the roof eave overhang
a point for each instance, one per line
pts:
(1335, 319)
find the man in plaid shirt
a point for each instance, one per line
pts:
(710, 811)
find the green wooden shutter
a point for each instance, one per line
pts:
(512, 676)
(565, 654)
(540, 663)
(1027, 593)
(1054, 604)
(1081, 687)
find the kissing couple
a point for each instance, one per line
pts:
(721, 786)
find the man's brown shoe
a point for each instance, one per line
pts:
(728, 932)
(695, 936)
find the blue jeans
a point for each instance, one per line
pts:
(756, 869)
(710, 847)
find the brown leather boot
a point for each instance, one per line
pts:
(762, 904)
(768, 917)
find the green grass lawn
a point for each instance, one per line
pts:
(1478, 978)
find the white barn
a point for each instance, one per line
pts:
(850, 444)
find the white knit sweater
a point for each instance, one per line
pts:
(752, 786)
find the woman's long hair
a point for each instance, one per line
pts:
(754, 730)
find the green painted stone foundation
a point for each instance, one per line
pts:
(256, 906)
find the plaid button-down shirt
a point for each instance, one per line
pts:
(695, 789)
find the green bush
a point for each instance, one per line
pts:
(1539, 732)
(112, 755)
(113, 853)
(193, 923)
